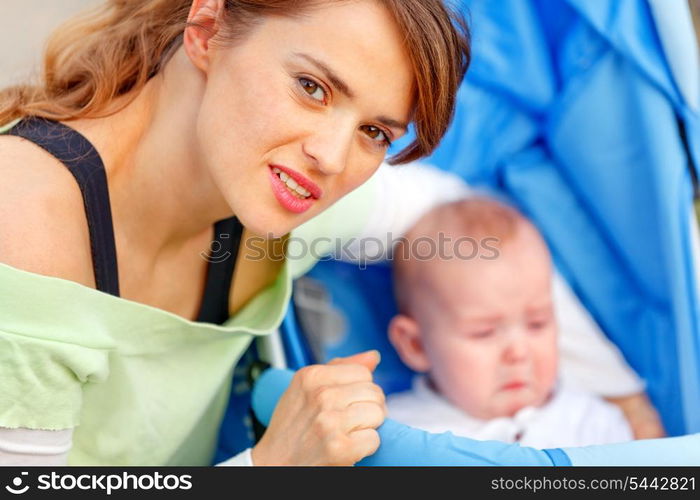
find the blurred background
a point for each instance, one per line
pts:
(23, 31)
(695, 9)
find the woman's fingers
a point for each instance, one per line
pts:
(364, 443)
(363, 415)
(358, 416)
(368, 359)
(328, 415)
(340, 397)
(348, 449)
(314, 376)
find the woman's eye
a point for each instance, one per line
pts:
(376, 134)
(313, 89)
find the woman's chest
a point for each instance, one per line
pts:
(177, 282)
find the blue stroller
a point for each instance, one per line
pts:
(601, 150)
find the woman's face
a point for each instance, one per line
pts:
(313, 100)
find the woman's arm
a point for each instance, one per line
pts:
(42, 217)
(43, 230)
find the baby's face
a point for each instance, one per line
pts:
(489, 332)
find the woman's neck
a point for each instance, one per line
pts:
(162, 196)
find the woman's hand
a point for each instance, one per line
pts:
(328, 416)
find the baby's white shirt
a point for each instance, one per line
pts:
(569, 418)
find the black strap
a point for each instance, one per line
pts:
(222, 261)
(84, 162)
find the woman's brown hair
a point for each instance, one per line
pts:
(114, 50)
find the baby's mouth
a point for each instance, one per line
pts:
(514, 386)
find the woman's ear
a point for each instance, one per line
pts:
(203, 21)
(405, 336)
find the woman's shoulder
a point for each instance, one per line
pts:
(43, 228)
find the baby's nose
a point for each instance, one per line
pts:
(517, 348)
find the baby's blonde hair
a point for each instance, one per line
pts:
(478, 218)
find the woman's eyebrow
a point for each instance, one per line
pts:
(343, 87)
(391, 123)
(335, 80)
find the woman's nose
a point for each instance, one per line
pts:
(329, 148)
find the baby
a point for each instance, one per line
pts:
(479, 325)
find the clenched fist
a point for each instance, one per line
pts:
(327, 416)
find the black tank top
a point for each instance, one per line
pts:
(83, 161)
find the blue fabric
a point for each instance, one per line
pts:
(402, 445)
(571, 110)
(683, 450)
(677, 36)
(268, 390)
(558, 457)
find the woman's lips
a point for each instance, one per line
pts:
(301, 180)
(284, 195)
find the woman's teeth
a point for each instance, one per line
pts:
(292, 185)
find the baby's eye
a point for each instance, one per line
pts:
(483, 334)
(537, 325)
(376, 134)
(313, 89)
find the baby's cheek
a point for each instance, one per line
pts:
(546, 368)
(469, 382)
(486, 390)
(479, 399)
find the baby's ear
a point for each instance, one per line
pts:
(405, 336)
